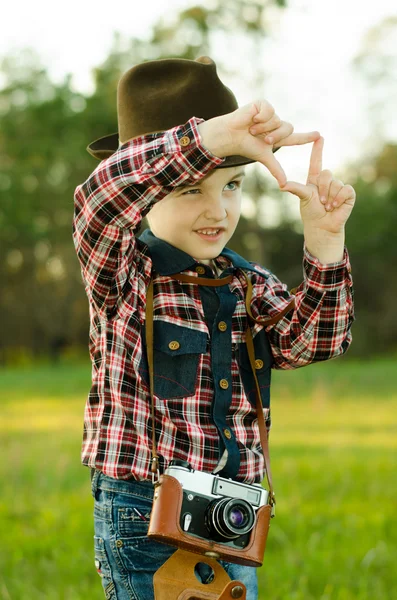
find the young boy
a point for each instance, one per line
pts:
(182, 143)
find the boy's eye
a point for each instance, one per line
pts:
(190, 192)
(235, 185)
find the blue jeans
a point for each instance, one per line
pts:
(125, 558)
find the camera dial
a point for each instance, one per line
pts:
(180, 463)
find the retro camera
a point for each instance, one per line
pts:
(214, 508)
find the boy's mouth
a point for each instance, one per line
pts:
(210, 234)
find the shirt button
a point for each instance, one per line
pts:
(222, 326)
(224, 384)
(227, 433)
(174, 345)
(200, 270)
(185, 140)
(258, 363)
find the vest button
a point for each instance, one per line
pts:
(222, 326)
(258, 363)
(174, 345)
(200, 270)
(224, 384)
(227, 433)
(185, 140)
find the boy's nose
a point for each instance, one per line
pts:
(215, 209)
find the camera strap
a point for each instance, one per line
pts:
(264, 435)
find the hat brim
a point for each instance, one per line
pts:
(104, 146)
(107, 145)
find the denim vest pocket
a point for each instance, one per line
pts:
(176, 356)
(263, 361)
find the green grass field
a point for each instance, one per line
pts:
(333, 446)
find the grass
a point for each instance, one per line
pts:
(333, 446)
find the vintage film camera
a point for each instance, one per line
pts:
(214, 508)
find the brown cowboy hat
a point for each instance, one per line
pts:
(159, 94)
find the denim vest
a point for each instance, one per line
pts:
(176, 369)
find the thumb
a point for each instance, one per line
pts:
(296, 188)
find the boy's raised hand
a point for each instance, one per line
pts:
(326, 203)
(244, 132)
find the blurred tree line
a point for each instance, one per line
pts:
(44, 131)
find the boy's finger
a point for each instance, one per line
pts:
(297, 139)
(296, 188)
(266, 127)
(324, 182)
(316, 161)
(265, 111)
(273, 136)
(275, 169)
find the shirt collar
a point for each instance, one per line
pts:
(168, 259)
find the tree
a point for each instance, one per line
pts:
(44, 131)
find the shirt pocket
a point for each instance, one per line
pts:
(177, 354)
(263, 364)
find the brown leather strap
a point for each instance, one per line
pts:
(202, 280)
(251, 353)
(270, 320)
(223, 281)
(264, 436)
(149, 348)
(176, 580)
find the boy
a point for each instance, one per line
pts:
(183, 141)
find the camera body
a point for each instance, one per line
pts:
(215, 508)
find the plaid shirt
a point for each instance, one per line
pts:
(204, 388)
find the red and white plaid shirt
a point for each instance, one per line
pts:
(198, 415)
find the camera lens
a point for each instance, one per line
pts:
(237, 517)
(228, 518)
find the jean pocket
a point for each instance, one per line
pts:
(133, 522)
(102, 505)
(103, 568)
(176, 356)
(142, 554)
(136, 551)
(131, 513)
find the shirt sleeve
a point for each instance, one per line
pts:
(319, 327)
(110, 204)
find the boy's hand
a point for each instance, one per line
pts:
(243, 132)
(326, 203)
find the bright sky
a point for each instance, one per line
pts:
(307, 59)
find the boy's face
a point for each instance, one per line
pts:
(212, 204)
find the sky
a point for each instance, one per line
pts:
(307, 59)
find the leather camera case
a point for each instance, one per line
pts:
(164, 527)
